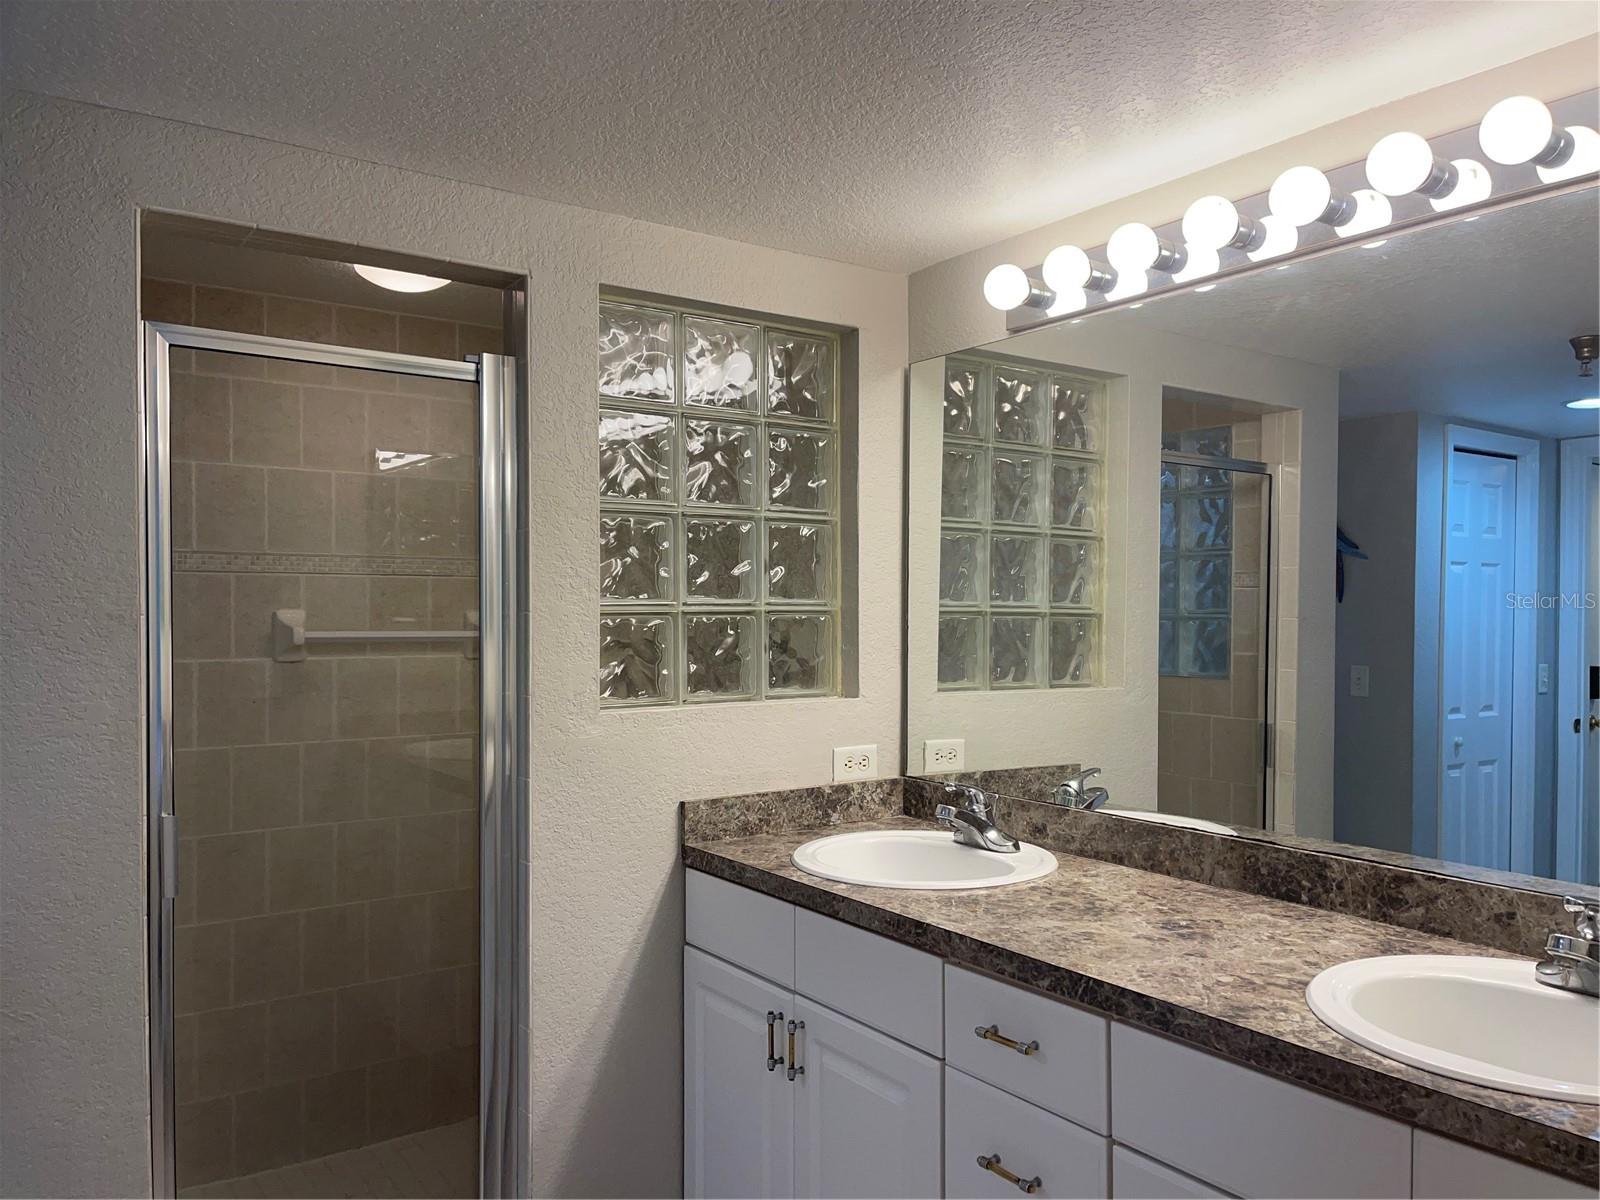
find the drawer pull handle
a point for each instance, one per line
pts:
(772, 1019)
(794, 1059)
(991, 1163)
(991, 1033)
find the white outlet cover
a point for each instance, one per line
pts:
(851, 763)
(944, 754)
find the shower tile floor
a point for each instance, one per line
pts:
(438, 1162)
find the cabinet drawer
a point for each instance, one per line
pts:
(878, 982)
(739, 925)
(1443, 1169)
(1135, 1177)
(982, 1121)
(1066, 1074)
(1246, 1132)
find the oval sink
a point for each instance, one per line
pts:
(918, 858)
(1160, 818)
(1481, 1020)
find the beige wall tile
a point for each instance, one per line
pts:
(269, 1129)
(224, 308)
(427, 853)
(334, 425)
(184, 908)
(454, 1083)
(1247, 807)
(1235, 750)
(442, 389)
(366, 697)
(479, 339)
(467, 1012)
(1214, 696)
(453, 428)
(232, 876)
(452, 774)
(334, 781)
(181, 481)
(336, 1112)
(425, 1012)
(365, 857)
(299, 511)
(266, 786)
(202, 967)
(230, 703)
(336, 601)
(285, 370)
(231, 1053)
(398, 602)
(334, 950)
(255, 597)
(397, 936)
(230, 507)
(467, 834)
(234, 366)
(427, 337)
(1211, 800)
(397, 422)
(299, 320)
(300, 700)
(426, 695)
(365, 1024)
(452, 928)
(450, 597)
(1246, 682)
(185, 1055)
(184, 687)
(266, 423)
(399, 781)
(365, 328)
(363, 514)
(399, 1097)
(166, 300)
(1183, 744)
(300, 1036)
(205, 1141)
(300, 867)
(266, 958)
(201, 420)
(202, 791)
(426, 519)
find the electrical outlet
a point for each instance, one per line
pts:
(943, 754)
(854, 762)
(1360, 681)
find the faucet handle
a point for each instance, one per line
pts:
(973, 798)
(1075, 781)
(1587, 913)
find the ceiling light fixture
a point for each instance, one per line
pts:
(1585, 348)
(1068, 267)
(1304, 196)
(398, 281)
(1520, 129)
(1008, 286)
(1135, 248)
(1215, 223)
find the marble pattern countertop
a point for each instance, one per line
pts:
(1222, 970)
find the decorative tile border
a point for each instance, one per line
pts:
(320, 564)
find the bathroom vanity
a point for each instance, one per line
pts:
(1101, 1031)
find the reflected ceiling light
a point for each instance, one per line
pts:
(1215, 223)
(1198, 263)
(1206, 287)
(1586, 402)
(1403, 163)
(1585, 156)
(1304, 195)
(1280, 237)
(398, 281)
(1473, 185)
(1068, 267)
(1134, 249)
(1008, 286)
(1373, 211)
(1520, 129)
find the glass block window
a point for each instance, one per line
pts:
(1196, 558)
(719, 508)
(1022, 518)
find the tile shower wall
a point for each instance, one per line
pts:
(327, 912)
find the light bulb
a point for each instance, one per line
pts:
(398, 281)
(1215, 223)
(1304, 195)
(1129, 283)
(1134, 249)
(1279, 236)
(1473, 185)
(1585, 402)
(1006, 287)
(1068, 300)
(1403, 163)
(1198, 262)
(1068, 267)
(1372, 212)
(1520, 129)
(1585, 156)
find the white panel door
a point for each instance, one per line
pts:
(738, 1116)
(867, 1111)
(1477, 660)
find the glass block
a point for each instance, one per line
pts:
(635, 353)
(961, 483)
(1169, 523)
(720, 655)
(720, 363)
(799, 652)
(1167, 648)
(1074, 651)
(1194, 479)
(635, 558)
(1167, 597)
(719, 559)
(1076, 415)
(635, 659)
(635, 456)
(1205, 584)
(1205, 522)
(1014, 569)
(800, 562)
(799, 376)
(719, 463)
(1074, 494)
(960, 568)
(1074, 574)
(1018, 407)
(799, 469)
(1016, 488)
(1203, 647)
(963, 400)
(1169, 441)
(1169, 478)
(960, 652)
(1216, 442)
(1014, 651)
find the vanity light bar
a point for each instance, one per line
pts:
(1406, 179)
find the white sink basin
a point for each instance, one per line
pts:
(918, 858)
(1159, 818)
(1482, 1020)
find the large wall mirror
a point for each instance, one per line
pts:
(1306, 554)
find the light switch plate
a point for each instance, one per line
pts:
(1360, 681)
(851, 763)
(944, 754)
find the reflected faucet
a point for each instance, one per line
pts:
(1571, 961)
(1071, 793)
(970, 820)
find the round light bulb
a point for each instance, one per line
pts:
(1068, 267)
(1584, 159)
(1212, 223)
(1006, 287)
(1199, 261)
(1068, 300)
(1403, 163)
(1473, 185)
(1517, 130)
(1280, 236)
(1372, 211)
(398, 281)
(1305, 196)
(1134, 249)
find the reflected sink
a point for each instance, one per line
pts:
(1158, 818)
(918, 858)
(1483, 1020)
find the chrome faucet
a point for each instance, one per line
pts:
(970, 820)
(1071, 792)
(1572, 963)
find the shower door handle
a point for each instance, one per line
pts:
(169, 856)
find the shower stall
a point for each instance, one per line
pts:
(332, 650)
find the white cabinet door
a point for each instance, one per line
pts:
(738, 1116)
(867, 1111)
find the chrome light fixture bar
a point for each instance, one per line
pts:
(1521, 148)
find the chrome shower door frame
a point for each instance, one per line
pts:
(502, 932)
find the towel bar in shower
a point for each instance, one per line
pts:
(290, 635)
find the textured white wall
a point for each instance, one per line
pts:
(604, 1109)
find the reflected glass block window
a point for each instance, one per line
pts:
(1197, 510)
(1022, 517)
(719, 508)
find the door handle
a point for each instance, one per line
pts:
(772, 1020)
(794, 1058)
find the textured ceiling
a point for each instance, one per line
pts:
(889, 133)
